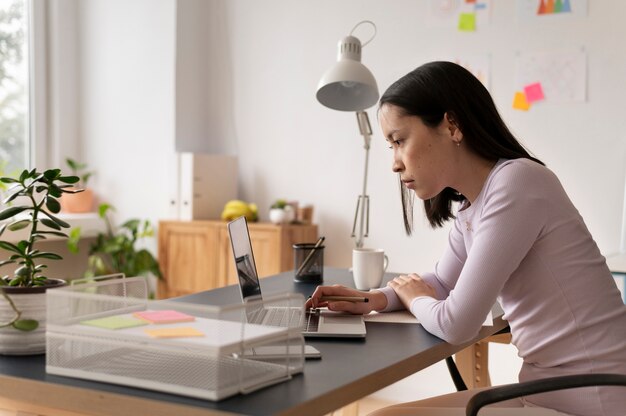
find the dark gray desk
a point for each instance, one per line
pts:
(349, 370)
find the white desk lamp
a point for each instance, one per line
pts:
(350, 86)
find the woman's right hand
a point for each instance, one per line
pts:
(376, 300)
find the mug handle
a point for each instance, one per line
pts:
(385, 263)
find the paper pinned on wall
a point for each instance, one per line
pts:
(528, 10)
(467, 22)
(461, 14)
(520, 102)
(562, 74)
(534, 92)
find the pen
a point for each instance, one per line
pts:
(344, 298)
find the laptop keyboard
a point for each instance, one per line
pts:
(287, 317)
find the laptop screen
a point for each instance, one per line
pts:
(244, 259)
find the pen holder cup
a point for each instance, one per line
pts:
(308, 262)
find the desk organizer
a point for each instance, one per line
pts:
(96, 331)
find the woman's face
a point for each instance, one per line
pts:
(423, 156)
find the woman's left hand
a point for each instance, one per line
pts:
(410, 286)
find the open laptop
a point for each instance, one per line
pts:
(320, 323)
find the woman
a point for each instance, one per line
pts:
(517, 239)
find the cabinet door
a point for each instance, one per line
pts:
(266, 248)
(188, 255)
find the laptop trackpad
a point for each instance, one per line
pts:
(341, 319)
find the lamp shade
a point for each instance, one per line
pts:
(348, 85)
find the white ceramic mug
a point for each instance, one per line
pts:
(368, 267)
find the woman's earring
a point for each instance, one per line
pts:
(458, 144)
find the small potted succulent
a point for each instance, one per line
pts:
(282, 212)
(79, 202)
(32, 204)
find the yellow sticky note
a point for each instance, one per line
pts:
(520, 102)
(181, 332)
(467, 22)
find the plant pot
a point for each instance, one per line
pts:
(78, 203)
(31, 301)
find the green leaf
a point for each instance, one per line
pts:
(11, 197)
(3, 227)
(53, 205)
(26, 324)
(73, 240)
(103, 209)
(70, 191)
(52, 174)
(9, 180)
(50, 223)
(19, 225)
(24, 175)
(5, 245)
(55, 191)
(69, 179)
(22, 245)
(57, 233)
(46, 255)
(59, 221)
(16, 281)
(41, 188)
(11, 212)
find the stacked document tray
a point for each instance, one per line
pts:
(108, 331)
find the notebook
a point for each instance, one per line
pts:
(320, 323)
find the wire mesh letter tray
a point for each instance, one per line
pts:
(109, 331)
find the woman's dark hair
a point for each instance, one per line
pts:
(429, 92)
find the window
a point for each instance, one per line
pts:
(15, 145)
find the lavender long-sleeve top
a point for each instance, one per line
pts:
(523, 243)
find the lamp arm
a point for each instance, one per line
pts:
(362, 207)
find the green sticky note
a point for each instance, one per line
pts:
(467, 22)
(115, 322)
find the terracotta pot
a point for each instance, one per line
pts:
(77, 203)
(31, 301)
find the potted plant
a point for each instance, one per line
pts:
(114, 251)
(282, 212)
(79, 202)
(33, 201)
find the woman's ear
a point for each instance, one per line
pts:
(453, 127)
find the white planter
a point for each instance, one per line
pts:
(16, 342)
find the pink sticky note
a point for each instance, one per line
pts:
(164, 317)
(534, 92)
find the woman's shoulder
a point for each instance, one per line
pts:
(516, 176)
(521, 170)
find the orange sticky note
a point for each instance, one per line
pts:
(534, 92)
(520, 102)
(181, 332)
(164, 317)
(467, 22)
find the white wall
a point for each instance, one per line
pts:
(292, 147)
(126, 65)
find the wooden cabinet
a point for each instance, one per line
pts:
(196, 255)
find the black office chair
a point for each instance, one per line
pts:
(511, 391)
